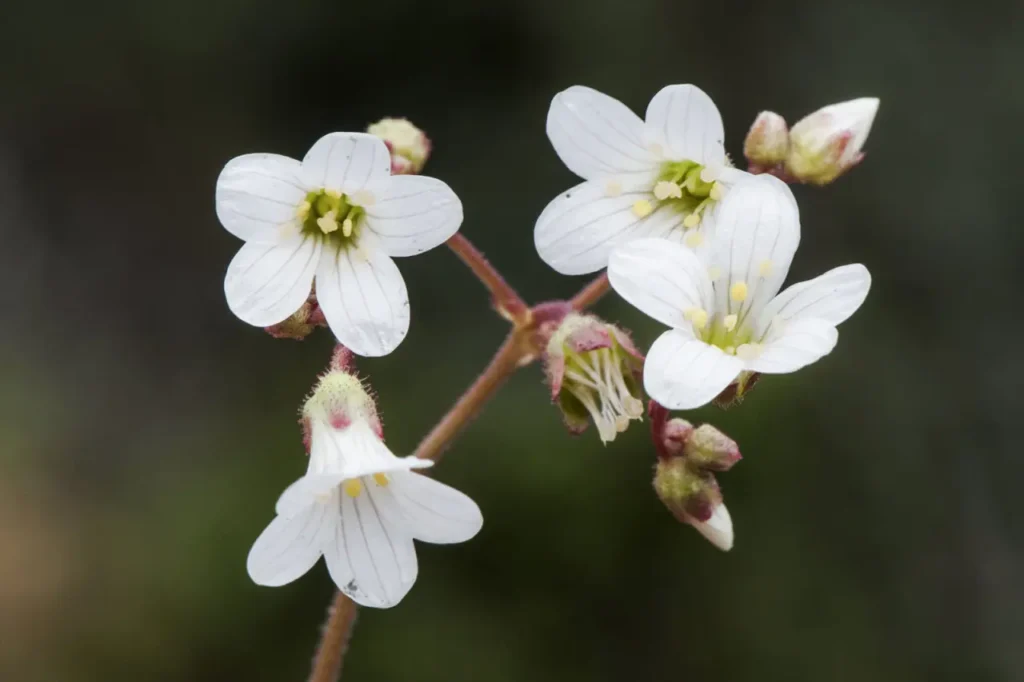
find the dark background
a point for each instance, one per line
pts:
(146, 432)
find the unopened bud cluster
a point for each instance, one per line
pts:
(594, 372)
(685, 476)
(819, 148)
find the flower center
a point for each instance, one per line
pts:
(687, 187)
(735, 336)
(331, 216)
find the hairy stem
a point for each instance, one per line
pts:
(506, 300)
(590, 294)
(341, 616)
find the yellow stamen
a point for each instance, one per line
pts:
(642, 208)
(346, 227)
(328, 222)
(352, 487)
(332, 194)
(304, 208)
(691, 221)
(716, 192)
(381, 479)
(729, 350)
(667, 190)
(730, 322)
(738, 292)
(698, 316)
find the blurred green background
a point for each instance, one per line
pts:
(147, 433)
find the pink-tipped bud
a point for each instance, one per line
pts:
(594, 373)
(827, 143)
(694, 498)
(768, 140)
(674, 436)
(339, 399)
(709, 448)
(409, 146)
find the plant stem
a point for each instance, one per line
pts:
(590, 294)
(510, 356)
(341, 616)
(506, 300)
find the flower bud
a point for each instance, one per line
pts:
(827, 143)
(768, 140)
(693, 497)
(594, 371)
(674, 436)
(709, 448)
(409, 146)
(340, 399)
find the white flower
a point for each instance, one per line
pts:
(656, 178)
(337, 216)
(726, 316)
(358, 506)
(827, 143)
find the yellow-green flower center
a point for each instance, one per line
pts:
(331, 216)
(684, 186)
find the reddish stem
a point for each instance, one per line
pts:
(590, 294)
(506, 300)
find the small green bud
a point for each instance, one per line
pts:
(768, 140)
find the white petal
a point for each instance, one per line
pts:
(597, 136)
(578, 229)
(757, 230)
(289, 546)
(353, 451)
(267, 283)
(683, 373)
(258, 195)
(432, 511)
(686, 122)
(370, 560)
(796, 344)
(348, 163)
(832, 297)
(363, 297)
(661, 278)
(717, 529)
(305, 492)
(415, 214)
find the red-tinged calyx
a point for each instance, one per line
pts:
(594, 373)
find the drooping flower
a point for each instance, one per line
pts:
(359, 506)
(827, 143)
(338, 217)
(593, 370)
(659, 177)
(726, 314)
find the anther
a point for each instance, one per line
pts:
(328, 222)
(381, 479)
(738, 292)
(346, 227)
(693, 239)
(698, 316)
(691, 221)
(667, 190)
(642, 208)
(352, 487)
(730, 322)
